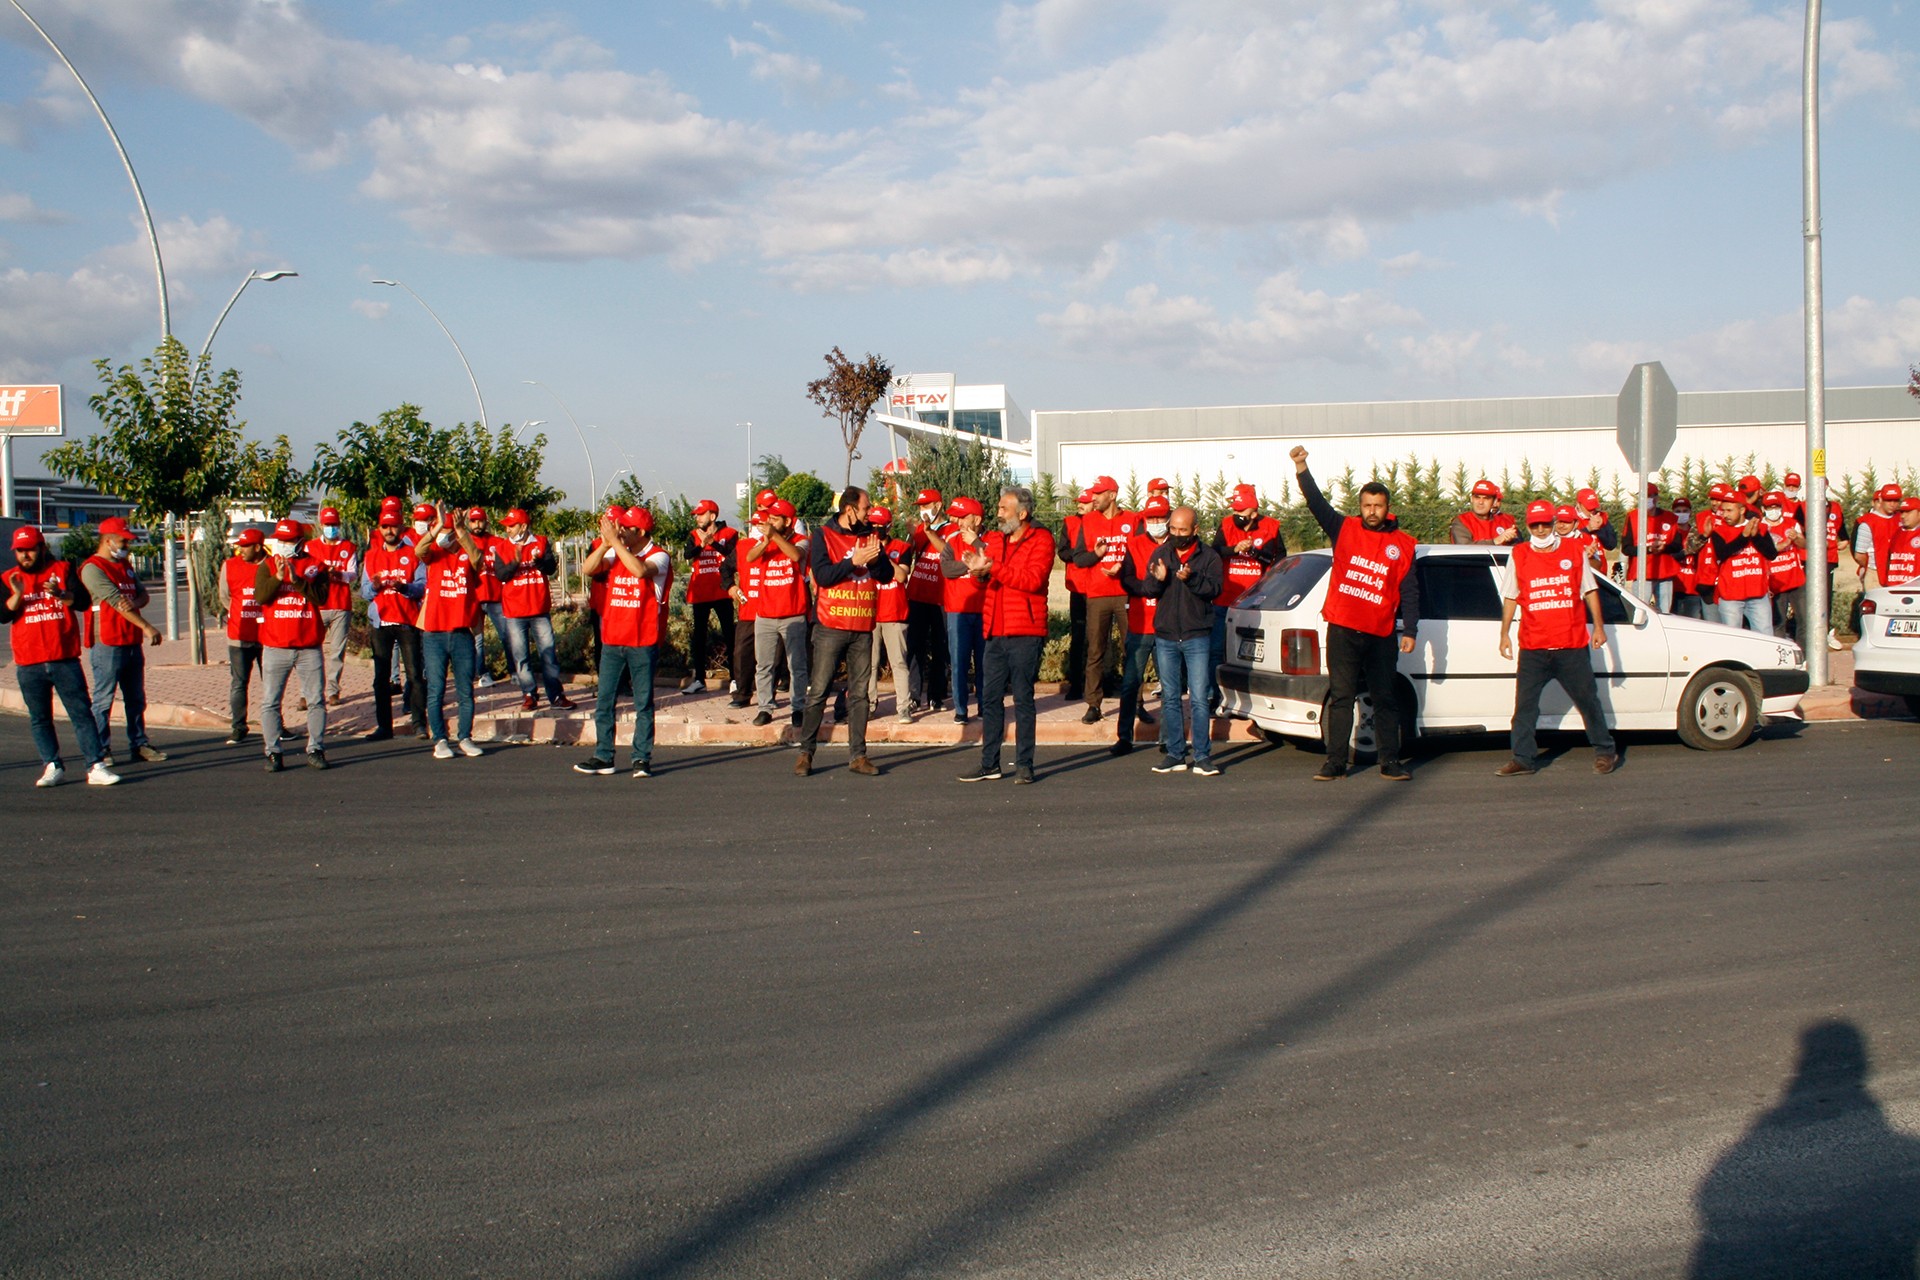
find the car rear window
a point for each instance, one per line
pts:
(1287, 583)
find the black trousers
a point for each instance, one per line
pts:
(385, 641)
(826, 647)
(243, 659)
(723, 610)
(1012, 665)
(1076, 668)
(1355, 660)
(743, 661)
(927, 657)
(1573, 668)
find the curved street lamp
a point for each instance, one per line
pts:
(475, 382)
(222, 319)
(594, 501)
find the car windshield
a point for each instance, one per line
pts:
(1287, 583)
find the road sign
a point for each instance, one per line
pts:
(1649, 416)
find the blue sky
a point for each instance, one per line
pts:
(668, 211)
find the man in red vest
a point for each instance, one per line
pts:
(1873, 534)
(116, 633)
(709, 585)
(449, 616)
(486, 595)
(1141, 605)
(392, 582)
(1482, 522)
(1903, 551)
(890, 614)
(926, 618)
(290, 587)
(333, 551)
(639, 579)
(241, 572)
(1663, 544)
(1550, 584)
(1099, 550)
(1740, 549)
(1075, 669)
(1372, 593)
(778, 563)
(1015, 563)
(842, 558)
(1249, 544)
(746, 601)
(524, 563)
(36, 596)
(963, 596)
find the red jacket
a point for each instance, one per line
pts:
(1020, 569)
(46, 629)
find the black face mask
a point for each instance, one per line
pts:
(1181, 542)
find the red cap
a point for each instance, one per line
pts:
(515, 516)
(1791, 480)
(1539, 512)
(764, 498)
(1722, 493)
(1244, 498)
(1485, 489)
(1653, 490)
(927, 498)
(1104, 484)
(1157, 505)
(636, 518)
(116, 527)
(706, 507)
(1773, 498)
(329, 515)
(781, 507)
(1887, 493)
(27, 536)
(249, 537)
(425, 511)
(289, 531)
(1587, 499)
(1683, 503)
(879, 516)
(1910, 504)
(1566, 513)
(1086, 495)
(476, 513)
(390, 517)
(1158, 485)
(1749, 485)
(965, 506)
(392, 502)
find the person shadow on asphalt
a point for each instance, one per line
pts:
(1820, 1185)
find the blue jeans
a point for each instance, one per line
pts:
(39, 681)
(520, 655)
(966, 642)
(439, 649)
(1133, 673)
(1186, 666)
(1756, 613)
(1657, 594)
(122, 666)
(637, 662)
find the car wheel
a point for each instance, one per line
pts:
(1719, 710)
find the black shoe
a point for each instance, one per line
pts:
(798, 716)
(1090, 716)
(1022, 777)
(1170, 765)
(237, 737)
(959, 717)
(1144, 716)
(1330, 772)
(1394, 771)
(642, 769)
(274, 763)
(740, 702)
(317, 760)
(380, 735)
(982, 775)
(1120, 749)
(763, 718)
(420, 732)
(596, 766)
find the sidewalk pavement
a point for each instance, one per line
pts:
(181, 695)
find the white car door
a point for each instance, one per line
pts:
(1456, 669)
(1630, 673)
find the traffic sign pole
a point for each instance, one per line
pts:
(1648, 417)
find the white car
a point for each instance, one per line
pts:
(1887, 657)
(1714, 685)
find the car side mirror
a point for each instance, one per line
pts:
(1641, 617)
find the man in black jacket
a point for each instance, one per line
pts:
(1184, 574)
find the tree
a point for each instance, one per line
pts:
(847, 395)
(1913, 381)
(269, 475)
(971, 468)
(811, 497)
(392, 455)
(496, 472)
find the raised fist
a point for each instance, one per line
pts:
(1299, 455)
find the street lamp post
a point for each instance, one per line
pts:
(749, 427)
(1814, 603)
(594, 500)
(530, 422)
(475, 382)
(207, 346)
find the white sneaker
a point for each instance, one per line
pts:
(1833, 640)
(470, 749)
(484, 682)
(443, 750)
(695, 686)
(101, 776)
(52, 776)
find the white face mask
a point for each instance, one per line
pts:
(1156, 529)
(521, 534)
(1683, 517)
(929, 514)
(280, 547)
(1772, 514)
(121, 552)
(420, 527)
(1544, 542)
(445, 539)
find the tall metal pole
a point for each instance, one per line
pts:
(473, 381)
(749, 427)
(1814, 603)
(207, 346)
(153, 238)
(594, 500)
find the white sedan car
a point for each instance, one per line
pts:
(1887, 657)
(1713, 684)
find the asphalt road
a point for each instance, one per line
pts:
(413, 1018)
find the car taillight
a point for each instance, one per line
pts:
(1868, 606)
(1300, 652)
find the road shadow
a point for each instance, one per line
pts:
(1819, 1187)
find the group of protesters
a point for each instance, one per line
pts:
(957, 608)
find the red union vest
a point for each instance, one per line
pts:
(338, 557)
(706, 578)
(927, 586)
(1553, 615)
(1363, 591)
(1786, 571)
(746, 579)
(1661, 527)
(783, 592)
(391, 571)
(1833, 534)
(966, 593)
(1243, 571)
(487, 587)
(1903, 557)
(1884, 527)
(891, 603)
(526, 594)
(243, 611)
(1485, 528)
(104, 625)
(1140, 609)
(46, 630)
(1743, 576)
(290, 620)
(450, 603)
(1107, 537)
(632, 615)
(850, 605)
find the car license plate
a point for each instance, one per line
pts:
(1255, 650)
(1903, 626)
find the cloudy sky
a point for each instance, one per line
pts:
(667, 211)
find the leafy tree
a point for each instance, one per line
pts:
(268, 473)
(812, 497)
(392, 455)
(847, 395)
(1913, 381)
(493, 471)
(971, 468)
(772, 470)
(628, 493)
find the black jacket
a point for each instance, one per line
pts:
(1186, 607)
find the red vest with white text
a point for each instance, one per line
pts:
(1903, 557)
(1243, 571)
(290, 620)
(106, 626)
(1363, 591)
(891, 601)
(966, 593)
(1742, 576)
(1884, 527)
(243, 611)
(632, 614)
(1786, 571)
(338, 558)
(1140, 609)
(450, 603)
(706, 579)
(391, 571)
(1484, 528)
(783, 591)
(526, 594)
(1106, 536)
(46, 630)
(1553, 615)
(927, 586)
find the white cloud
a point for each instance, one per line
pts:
(18, 208)
(1866, 340)
(796, 74)
(911, 268)
(371, 309)
(46, 316)
(827, 9)
(1412, 263)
